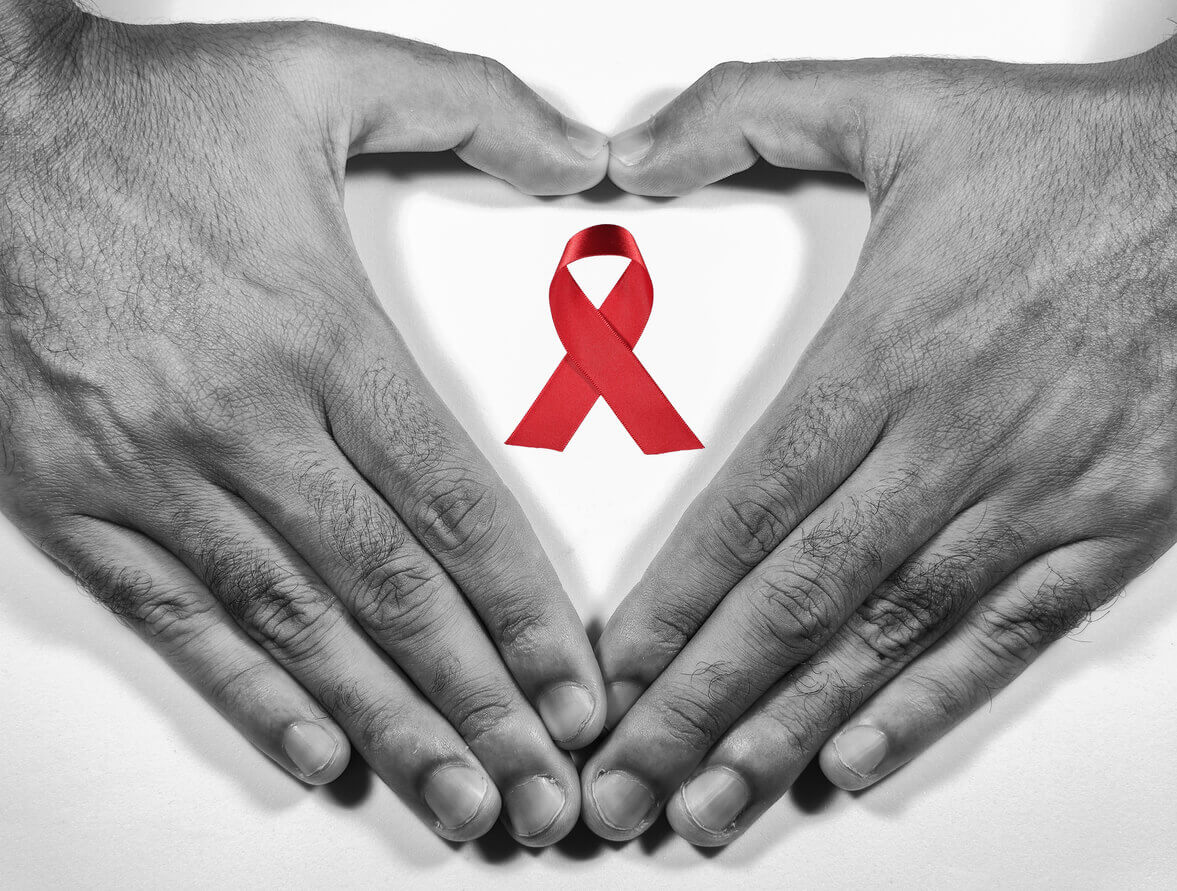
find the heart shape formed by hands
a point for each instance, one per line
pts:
(214, 426)
(856, 573)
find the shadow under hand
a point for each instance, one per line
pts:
(354, 785)
(811, 792)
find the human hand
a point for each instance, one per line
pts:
(976, 452)
(208, 419)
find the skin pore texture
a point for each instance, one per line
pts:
(206, 417)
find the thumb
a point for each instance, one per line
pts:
(403, 96)
(837, 116)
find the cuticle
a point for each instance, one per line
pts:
(596, 707)
(645, 820)
(727, 830)
(842, 761)
(454, 765)
(331, 758)
(546, 777)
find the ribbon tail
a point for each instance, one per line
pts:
(558, 410)
(649, 416)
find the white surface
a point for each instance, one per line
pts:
(115, 774)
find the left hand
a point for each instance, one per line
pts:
(206, 416)
(976, 452)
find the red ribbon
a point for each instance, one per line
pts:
(600, 360)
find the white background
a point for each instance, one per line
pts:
(115, 774)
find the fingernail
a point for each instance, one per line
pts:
(587, 141)
(715, 798)
(619, 699)
(630, 146)
(566, 710)
(622, 800)
(309, 746)
(455, 795)
(861, 749)
(534, 805)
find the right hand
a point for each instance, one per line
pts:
(207, 418)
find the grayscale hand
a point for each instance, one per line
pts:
(206, 416)
(977, 451)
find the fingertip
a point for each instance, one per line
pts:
(585, 141)
(852, 759)
(618, 806)
(711, 808)
(631, 653)
(629, 167)
(317, 751)
(542, 809)
(687, 827)
(576, 161)
(573, 713)
(646, 181)
(669, 157)
(464, 802)
(560, 675)
(630, 147)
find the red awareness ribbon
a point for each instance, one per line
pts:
(600, 360)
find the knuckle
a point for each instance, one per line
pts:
(795, 727)
(1142, 498)
(808, 707)
(493, 76)
(1064, 603)
(914, 605)
(725, 81)
(299, 45)
(239, 686)
(794, 611)
(458, 514)
(165, 614)
(750, 522)
(671, 625)
(375, 722)
(120, 590)
(944, 696)
(480, 707)
(285, 610)
(1014, 631)
(173, 615)
(1009, 637)
(520, 626)
(402, 604)
(691, 716)
(847, 538)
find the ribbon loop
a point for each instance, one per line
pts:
(599, 362)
